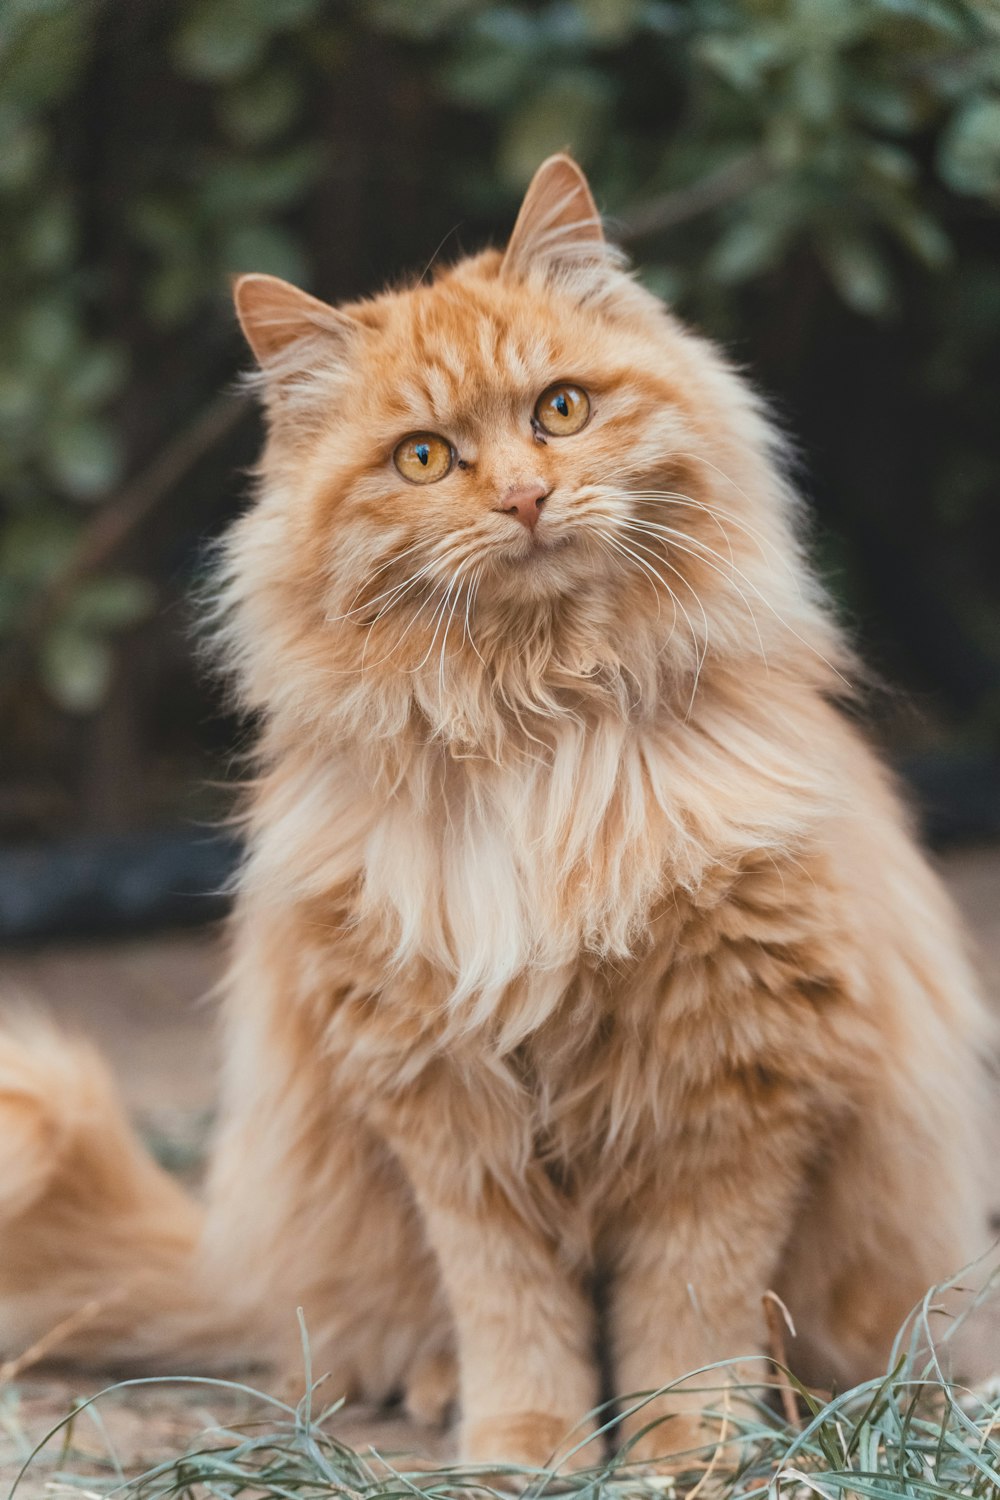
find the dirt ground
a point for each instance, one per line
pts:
(146, 1004)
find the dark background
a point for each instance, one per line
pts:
(816, 183)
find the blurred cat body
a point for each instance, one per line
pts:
(580, 932)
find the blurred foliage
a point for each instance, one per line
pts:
(816, 181)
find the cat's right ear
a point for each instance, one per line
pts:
(558, 225)
(275, 316)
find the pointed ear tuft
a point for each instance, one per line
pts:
(274, 315)
(557, 222)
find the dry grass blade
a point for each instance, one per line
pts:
(908, 1433)
(778, 1320)
(49, 1343)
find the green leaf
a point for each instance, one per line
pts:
(815, 89)
(742, 57)
(95, 376)
(923, 237)
(284, 15)
(36, 544)
(888, 106)
(49, 239)
(237, 188)
(261, 108)
(20, 398)
(502, 29)
(220, 40)
(49, 332)
(161, 224)
(969, 152)
(44, 59)
(569, 111)
(859, 273)
(24, 150)
(485, 79)
(83, 457)
(610, 21)
(665, 281)
(175, 292)
(264, 247)
(418, 19)
(749, 247)
(75, 668)
(951, 20)
(113, 602)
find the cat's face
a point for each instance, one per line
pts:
(524, 441)
(492, 434)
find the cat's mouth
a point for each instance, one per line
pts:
(540, 547)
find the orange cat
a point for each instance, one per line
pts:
(580, 933)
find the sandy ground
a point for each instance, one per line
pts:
(146, 1004)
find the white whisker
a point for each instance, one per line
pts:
(701, 653)
(674, 497)
(355, 609)
(444, 638)
(652, 528)
(469, 607)
(700, 458)
(439, 615)
(398, 594)
(687, 537)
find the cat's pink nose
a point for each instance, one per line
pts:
(524, 502)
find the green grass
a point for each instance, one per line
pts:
(910, 1433)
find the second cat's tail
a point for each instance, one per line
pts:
(98, 1244)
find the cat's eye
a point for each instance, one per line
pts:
(423, 457)
(562, 410)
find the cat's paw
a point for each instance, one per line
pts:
(539, 1440)
(680, 1440)
(675, 1442)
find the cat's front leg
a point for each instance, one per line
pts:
(692, 1257)
(524, 1324)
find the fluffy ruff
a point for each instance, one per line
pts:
(580, 932)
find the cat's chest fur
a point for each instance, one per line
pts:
(500, 884)
(491, 876)
(518, 870)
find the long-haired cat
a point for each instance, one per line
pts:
(580, 934)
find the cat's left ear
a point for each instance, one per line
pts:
(558, 226)
(275, 317)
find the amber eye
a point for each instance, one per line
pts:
(423, 457)
(562, 410)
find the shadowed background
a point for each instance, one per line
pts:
(816, 183)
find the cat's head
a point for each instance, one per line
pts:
(513, 486)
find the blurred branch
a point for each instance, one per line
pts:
(114, 522)
(670, 209)
(119, 516)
